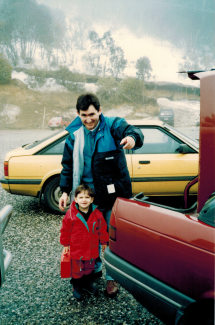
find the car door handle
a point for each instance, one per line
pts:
(144, 162)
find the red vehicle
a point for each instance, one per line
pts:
(165, 256)
(59, 122)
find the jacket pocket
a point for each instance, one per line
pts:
(110, 168)
(106, 165)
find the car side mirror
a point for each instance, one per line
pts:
(183, 148)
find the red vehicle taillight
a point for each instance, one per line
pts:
(6, 168)
(112, 226)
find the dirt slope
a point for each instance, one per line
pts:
(23, 108)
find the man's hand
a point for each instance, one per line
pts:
(62, 201)
(103, 248)
(129, 142)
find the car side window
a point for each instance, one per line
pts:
(56, 149)
(157, 142)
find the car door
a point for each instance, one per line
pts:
(175, 248)
(158, 168)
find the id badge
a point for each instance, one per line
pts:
(111, 188)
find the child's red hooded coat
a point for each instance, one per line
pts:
(83, 237)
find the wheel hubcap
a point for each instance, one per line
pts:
(57, 194)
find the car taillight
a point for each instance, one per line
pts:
(112, 226)
(6, 168)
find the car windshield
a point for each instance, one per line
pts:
(166, 112)
(192, 141)
(35, 143)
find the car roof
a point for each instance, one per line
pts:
(145, 122)
(52, 138)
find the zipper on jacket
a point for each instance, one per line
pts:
(93, 227)
(80, 263)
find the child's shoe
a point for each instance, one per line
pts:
(87, 284)
(77, 292)
(89, 287)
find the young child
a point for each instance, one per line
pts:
(83, 227)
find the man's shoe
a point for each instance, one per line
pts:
(89, 287)
(111, 288)
(96, 275)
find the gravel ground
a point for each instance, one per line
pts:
(34, 292)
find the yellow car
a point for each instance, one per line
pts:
(167, 161)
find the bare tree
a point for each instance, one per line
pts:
(109, 56)
(143, 67)
(26, 26)
(117, 62)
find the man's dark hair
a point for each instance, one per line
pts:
(84, 188)
(84, 101)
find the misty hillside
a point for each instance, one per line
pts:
(90, 35)
(131, 51)
(24, 107)
(187, 24)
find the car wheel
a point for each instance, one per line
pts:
(52, 194)
(199, 314)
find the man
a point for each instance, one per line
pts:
(93, 155)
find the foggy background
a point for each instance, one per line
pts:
(127, 52)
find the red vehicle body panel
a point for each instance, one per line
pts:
(206, 138)
(178, 249)
(59, 122)
(159, 252)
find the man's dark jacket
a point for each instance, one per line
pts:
(108, 160)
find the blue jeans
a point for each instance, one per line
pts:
(98, 265)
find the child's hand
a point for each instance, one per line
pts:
(103, 248)
(66, 249)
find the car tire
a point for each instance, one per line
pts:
(52, 194)
(199, 314)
